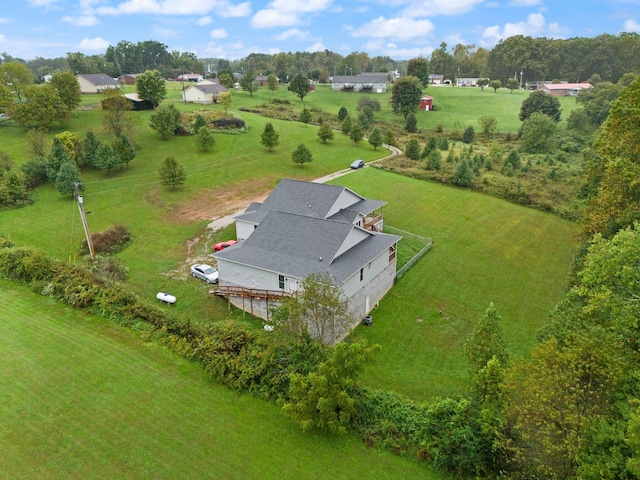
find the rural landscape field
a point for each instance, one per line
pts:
(117, 384)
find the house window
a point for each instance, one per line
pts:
(392, 252)
(281, 282)
(361, 273)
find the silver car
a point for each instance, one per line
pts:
(205, 272)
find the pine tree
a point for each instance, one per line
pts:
(375, 138)
(172, 173)
(302, 155)
(205, 139)
(325, 132)
(67, 178)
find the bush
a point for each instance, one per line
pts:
(372, 103)
(469, 135)
(412, 150)
(112, 240)
(411, 124)
(229, 123)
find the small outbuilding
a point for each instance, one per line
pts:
(564, 89)
(426, 103)
(95, 82)
(203, 93)
(127, 79)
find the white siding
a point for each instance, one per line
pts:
(195, 95)
(244, 229)
(370, 271)
(346, 199)
(355, 236)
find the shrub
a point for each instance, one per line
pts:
(412, 150)
(229, 123)
(112, 240)
(372, 103)
(411, 124)
(469, 134)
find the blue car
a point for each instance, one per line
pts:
(357, 164)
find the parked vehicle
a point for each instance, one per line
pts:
(222, 245)
(357, 164)
(205, 272)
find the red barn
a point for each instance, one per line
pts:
(426, 103)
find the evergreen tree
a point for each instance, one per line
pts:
(469, 135)
(412, 150)
(346, 125)
(56, 158)
(172, 173)
(198, 122)
(90, 148)
(270, 138)
(411, 123)
(366, 117)
(107, 159)
(463, 176)
(342, 113)
(123, 148)
(305, 116)
(356, 133)
(390, 137)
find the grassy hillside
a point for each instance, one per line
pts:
(83, 399)
(485, 250)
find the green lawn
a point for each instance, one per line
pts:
(485, 250)
(81, 399)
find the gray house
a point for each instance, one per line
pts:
(364, 82)
(304, 228)
(95, 82)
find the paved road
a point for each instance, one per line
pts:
(227, 220)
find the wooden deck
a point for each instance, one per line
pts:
(251, 294)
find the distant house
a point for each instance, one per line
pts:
(95, 82)
(537, 84)
(203, 93)
(127, 79)
(435, 79)
(190, 77)
(262, 80)
(564, 89)
(305, 228)
(363, 82)
(467, 82)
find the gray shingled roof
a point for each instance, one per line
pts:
(362, 78)
(299, 245)
(211, 88)
(100, 79)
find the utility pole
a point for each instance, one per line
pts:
(84, 222)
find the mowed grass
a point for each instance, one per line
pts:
(81, 399)
(485, 250)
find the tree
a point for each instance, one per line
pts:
(512, 84)
(302, 155)
(538, 133)
(300, 86)
(489, 125)
(205, 139)
(405, 95)
(411, 123)
(272, 82)
(322, 398)
(469, 134)
(342, 113)
(226, 99)
(356, 133)
(269, 137)
(247, 82)
(495, 84)
(68, 89)
(107, 159)
(390, 137)
(412, 150)
(198, 122)
(55, 158)
(463, 175)
(482, 82)
(419, 68)
(226, 80)
(67, 178)
(89, 149)
(151, 87)
(542, 102)
(172, 173)
(165, 121)
(6, 98)
(345, 127)
(37, 140)
(16, 76)
(485, 342)
(366, 117)
(325, 133)
(375, 138)
(305, 116)
(596, 101)
(116, 112)
(124, 149)
(72, 145)
(41, 107)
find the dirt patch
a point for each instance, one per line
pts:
(218, 202)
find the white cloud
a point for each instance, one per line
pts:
(172, 7)
(204, 21)
(376, 47)
(394, 28)
(316, 47)
(631, 26)
(2, 38)
(292, 33)
(273, 18)
(230, 51)
(431, 8)
(41, 3)
(5, 20)
(535, 26)
(93, 44)
(525, 3)
(81, 21)
(218, 33)
(299, 6)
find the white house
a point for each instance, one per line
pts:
(304, 228)
(203, 93)
(95, 82)
(364, 82)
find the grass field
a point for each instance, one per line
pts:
(485, 250)
(83, 399)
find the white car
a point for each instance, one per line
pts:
(357, 164)
(205, 272)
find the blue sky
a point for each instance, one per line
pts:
(233, 29)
